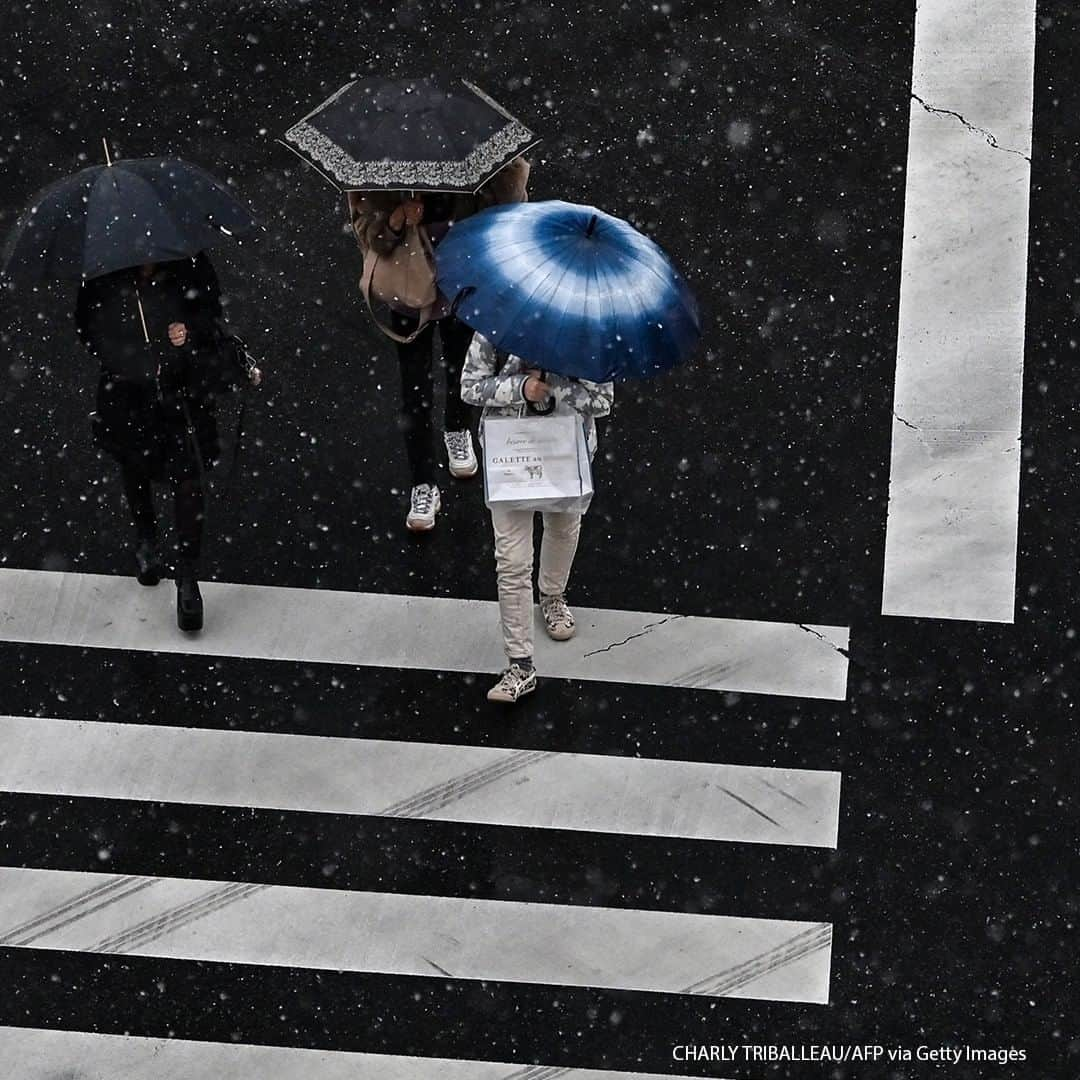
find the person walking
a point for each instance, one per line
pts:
(507, 385)
(154, 330)
(380, 221)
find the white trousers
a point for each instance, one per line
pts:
(514, 569)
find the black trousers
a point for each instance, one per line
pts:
(417, 388)
(189, 506)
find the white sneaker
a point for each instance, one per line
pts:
(461, 455)
(424, 504)
(558, 618)
(514, 682)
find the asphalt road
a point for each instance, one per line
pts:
(764, 148)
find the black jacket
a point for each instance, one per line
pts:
(148, 392)
(108, 322)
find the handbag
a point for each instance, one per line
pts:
(537, 463)
(404, 281)
(224, 365)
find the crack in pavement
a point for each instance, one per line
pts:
(868, 72)
(989, 136)
(843, 652)
(648, 629)
(906, 423)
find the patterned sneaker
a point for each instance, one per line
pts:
(558, 618)
(461, 455)
(424, 504)
(515, 682)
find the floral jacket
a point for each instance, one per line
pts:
(500, 389)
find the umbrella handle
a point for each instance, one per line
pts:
(142, 314)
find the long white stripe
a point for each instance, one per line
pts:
(46, 1054)
(950, 549)
(420, 780)
(374, 629)
(436, 936)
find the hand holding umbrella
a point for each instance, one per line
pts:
(410, 212)
(536, 389)
(538, 393)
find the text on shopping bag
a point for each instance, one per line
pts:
(537, 463)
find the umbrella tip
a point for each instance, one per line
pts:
(108, 156)
(592, 226)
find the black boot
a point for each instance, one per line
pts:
(189, 604)
(149, 568)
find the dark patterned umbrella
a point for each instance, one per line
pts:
(125, 213)
(379, 134)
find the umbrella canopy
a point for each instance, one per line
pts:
(569, 288)
(108, 217)
(381, 134)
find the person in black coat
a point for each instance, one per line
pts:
(154, 330)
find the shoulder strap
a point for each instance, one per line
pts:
(371, 260)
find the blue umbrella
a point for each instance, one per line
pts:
(570, 289)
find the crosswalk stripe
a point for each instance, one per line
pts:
(447, 937)
(90, 900)
(373, 629)
(45, 1054)
(951, 540)
(420, 780)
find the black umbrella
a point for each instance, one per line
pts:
(381, 134)
(125, 213)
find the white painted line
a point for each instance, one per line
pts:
(379, 630)
(401, 934)
(533, 788)
(950, 549)
(47, 1054)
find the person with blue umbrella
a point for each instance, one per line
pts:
(563, 299)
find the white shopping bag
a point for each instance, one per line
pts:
(537, 463)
